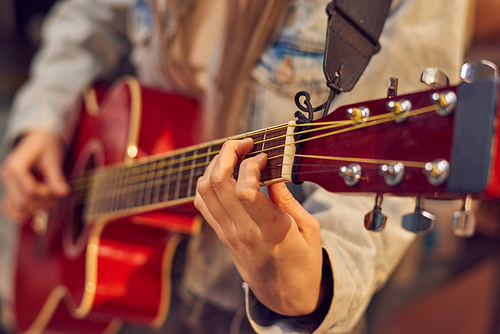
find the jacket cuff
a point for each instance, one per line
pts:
(41, 117)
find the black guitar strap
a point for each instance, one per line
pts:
(354, 27)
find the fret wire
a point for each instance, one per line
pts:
(175, 161)
(186, 177)
(106, 198)
(186, 180)
(263, 142)
(120, 188)
(330, 125)
(191, 173)
(178, 165)
(179, 177)
(123, 188)
(132, 174)
(96, 194)
(131, 183)
(157, 182)
(168, 180)
(148, 184)
(139, 187)
(128, 189)
(100, 200)
(114, 189)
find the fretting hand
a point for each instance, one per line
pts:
(274, 242)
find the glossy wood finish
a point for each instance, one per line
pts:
(421, 138)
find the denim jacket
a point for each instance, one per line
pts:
(418, 34)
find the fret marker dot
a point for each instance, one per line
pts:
(92, 249)
(132, 151)
(90, 287)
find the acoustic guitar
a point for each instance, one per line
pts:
(104, 255)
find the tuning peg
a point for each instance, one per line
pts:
(399, 109)
(481, 69)
(392, 173)
(420, 221)
(392, 87)
(375, 220)
(358, 115)
(464, 221)
(444, 101)
(437, 171)
(351, 174)
(434, 78)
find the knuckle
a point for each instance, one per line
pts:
(248, 164)
(285, 200)
(7, 171)
(198, 202)
(245, 194)
(217, 179)
(29, 194)
(247, 239)
(202, 186)
(230, 144)
(231, 240)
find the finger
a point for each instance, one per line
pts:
(25, 192)
(54, 177)
(200, 205)
(13, 213)
(284, 200)
(16, 173)
(25, 205)
(270, 219)
(207, 202)
(223, 182)
(14, 185)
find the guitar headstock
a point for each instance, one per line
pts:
(439, 143)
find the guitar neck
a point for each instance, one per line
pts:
(170, 179)
(418, 144)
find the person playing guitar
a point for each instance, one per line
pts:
(308, 265)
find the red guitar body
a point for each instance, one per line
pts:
(83, 278)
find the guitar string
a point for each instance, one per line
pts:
(329, 125)
(382, 118)
(178, 170)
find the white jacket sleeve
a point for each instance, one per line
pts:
(418, 34)
(81, 40)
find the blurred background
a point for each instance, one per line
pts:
(445, 284)
(19, 37)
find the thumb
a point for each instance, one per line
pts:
(52, 171)
(56, 182)
(284, 200)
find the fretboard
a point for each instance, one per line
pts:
(166, 180)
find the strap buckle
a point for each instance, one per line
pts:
(348, 50)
